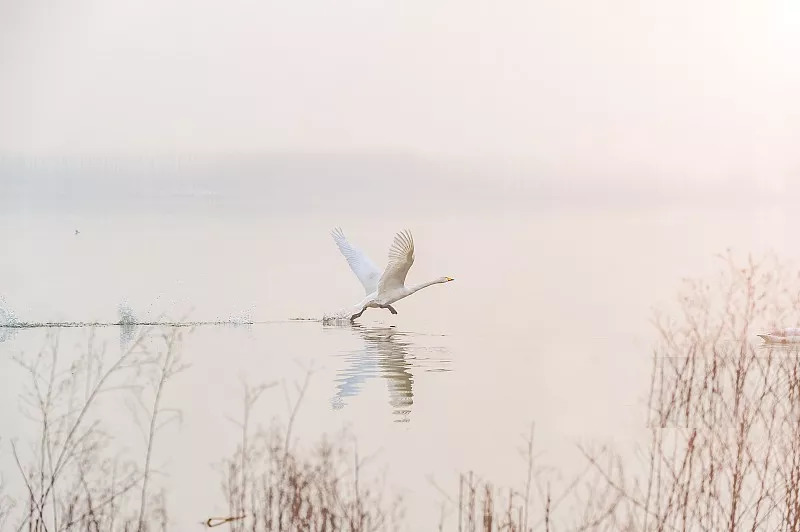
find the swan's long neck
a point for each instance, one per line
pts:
(419, 287)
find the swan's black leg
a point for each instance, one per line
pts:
(354, 316)
(391, 309)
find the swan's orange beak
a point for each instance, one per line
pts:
(450, 279)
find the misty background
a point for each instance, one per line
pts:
(364, 105)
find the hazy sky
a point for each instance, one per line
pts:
(705, 85)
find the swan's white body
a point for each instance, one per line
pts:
(790, 335)
(382, 289)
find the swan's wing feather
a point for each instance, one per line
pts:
(362, 266)
(401, 257)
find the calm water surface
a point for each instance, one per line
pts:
(547, 321)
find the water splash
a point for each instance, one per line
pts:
(125, 313)
(127, 322)
(341, 315)
(7, 316)
(244, 318)
(8, 320)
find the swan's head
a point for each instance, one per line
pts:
(445, 279)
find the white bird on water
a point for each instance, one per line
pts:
(385, 288)
(789, 335)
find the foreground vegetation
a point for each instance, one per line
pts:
(723, 449)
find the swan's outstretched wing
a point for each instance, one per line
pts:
(401, 257)
(362, 266)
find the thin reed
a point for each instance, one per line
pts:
(724, 450)
(270, 485)
(74, 476)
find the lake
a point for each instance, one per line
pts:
(547, 321)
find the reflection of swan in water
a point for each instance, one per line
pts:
(387, 353)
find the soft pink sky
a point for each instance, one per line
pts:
(698, 86)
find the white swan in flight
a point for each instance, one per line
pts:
(382, 289)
